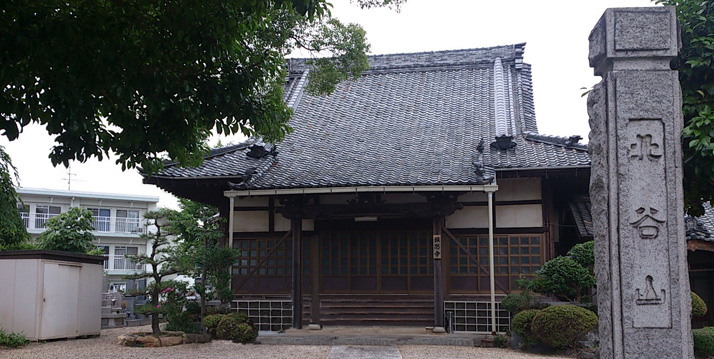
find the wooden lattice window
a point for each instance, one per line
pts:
(514, 256)
(252, 251)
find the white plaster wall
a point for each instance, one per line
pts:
(519, 216)
(250, 221)
(518, 189)
(474, 197)
(259, 221)
(469, 217)
(252, 202)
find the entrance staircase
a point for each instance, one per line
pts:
(374, 310)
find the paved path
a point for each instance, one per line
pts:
(105, 347)
(364, 352)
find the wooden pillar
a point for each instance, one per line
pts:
(438, 275)
(315, 272)
(296, 227)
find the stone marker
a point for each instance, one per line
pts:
(636, 186)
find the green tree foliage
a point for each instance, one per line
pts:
(515, 303)
(144, 78)
(583, 254)
(70, 231)
(565, 278)
(198, 226)
(164, 260)
(12, 230)
(696, 77)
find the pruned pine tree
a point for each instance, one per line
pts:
(162, 260)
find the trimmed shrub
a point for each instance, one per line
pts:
(563, 277)
(583, 254)
(184, 322)
(563, 325)
(703, 341)
(521, 325)
(211, 323)
(218, 310)
(12, 340)
(517, 302)
(236, 327)
(699, 308)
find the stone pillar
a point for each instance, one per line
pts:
(636, 186)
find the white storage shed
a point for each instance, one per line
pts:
(50, 294)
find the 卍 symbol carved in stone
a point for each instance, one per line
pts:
(648, 225)
(649, 297)
(643, 147)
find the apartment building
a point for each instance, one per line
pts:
(118, 223)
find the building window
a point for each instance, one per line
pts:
(121, 262)
(44, 212)
(127, 221)
(102, 219)
(515, 256)
(24, 214)
(105, 250)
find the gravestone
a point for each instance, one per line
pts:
(636, 186)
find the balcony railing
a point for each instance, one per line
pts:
(42, 218)
(103, 224)
(117, 262)
(128, 225)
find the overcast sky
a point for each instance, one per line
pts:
(556, 34)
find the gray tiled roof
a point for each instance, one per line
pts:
(582, 215)
(696, 227)
(412, 119)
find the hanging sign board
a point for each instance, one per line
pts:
(437, 246)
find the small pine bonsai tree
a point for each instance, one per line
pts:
(164, 260)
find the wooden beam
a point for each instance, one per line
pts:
(296, 229)
(697, 244)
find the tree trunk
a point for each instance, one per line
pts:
(203, 281)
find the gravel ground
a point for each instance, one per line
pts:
(105, 347)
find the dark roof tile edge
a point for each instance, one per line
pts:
(554, 140)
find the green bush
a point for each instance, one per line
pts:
(563, 325)
(699, 308)
(211, 323)
(12, 340)
(515, 303)
(500, 341)
(236, 327)
(220, 309)
(184, 322)
(703, 341)
(521, 325)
